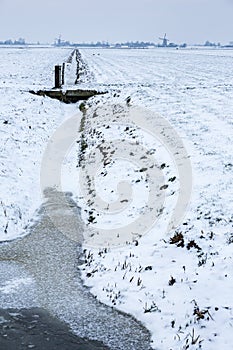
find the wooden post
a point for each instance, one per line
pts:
(63, 73)
(57, 77)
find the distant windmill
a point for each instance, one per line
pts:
(165, 40)
(58, 41)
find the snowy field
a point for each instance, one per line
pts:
(177, 284)
(180, 291)
(27, 122)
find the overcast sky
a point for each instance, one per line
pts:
(191, 21)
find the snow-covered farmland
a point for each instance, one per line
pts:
(26, 123)
(178, 284)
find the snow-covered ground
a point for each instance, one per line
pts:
(26, 124)
(178, 283)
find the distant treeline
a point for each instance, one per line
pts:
(127, 44)
(20, 41)
(210, 44)
(104, 44)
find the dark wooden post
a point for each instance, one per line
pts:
(63, 73)
(57, 76)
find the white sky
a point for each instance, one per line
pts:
(119, 20)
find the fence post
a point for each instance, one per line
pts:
(57, 76)
(63, 73)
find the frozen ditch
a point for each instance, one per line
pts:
(51, 261)
(36, 328)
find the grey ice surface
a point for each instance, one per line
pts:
(49, 259)
(17, 286)
(35, 328)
